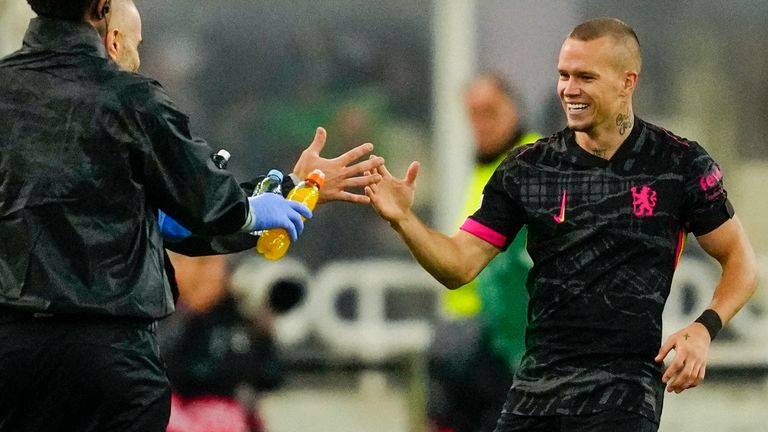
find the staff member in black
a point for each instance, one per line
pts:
(88, 155)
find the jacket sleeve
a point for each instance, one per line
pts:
(196, 245)
(176, 169)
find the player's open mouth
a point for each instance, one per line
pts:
(576, 107)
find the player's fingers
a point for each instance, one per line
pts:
(373, 185)
(319, 141)
(699, 374)
(698, 377)
(370, 193)
(413, 172)
(664, 350)
(355, 154)
(352, 198)
(673, 369)
(382, 169)
(687, 377)
(361, 181)
(366, 165)
(376, 169)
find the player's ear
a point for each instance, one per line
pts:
(630, 81)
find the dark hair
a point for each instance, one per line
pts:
(73, 10)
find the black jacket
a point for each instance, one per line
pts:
(88, 153)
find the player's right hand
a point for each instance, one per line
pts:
(393, 197)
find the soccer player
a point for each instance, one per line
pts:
(608, 202)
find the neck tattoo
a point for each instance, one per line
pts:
(599, 153)
(624, 122)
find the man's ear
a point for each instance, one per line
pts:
(630, 81)
(112, 42)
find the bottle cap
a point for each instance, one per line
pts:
(275, 173)
(221, 158)
(317, 176)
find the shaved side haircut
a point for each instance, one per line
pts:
(615, 28)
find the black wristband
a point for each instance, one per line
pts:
(711, 320)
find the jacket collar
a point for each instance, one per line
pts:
(46, 34)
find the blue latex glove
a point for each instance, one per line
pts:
(271, 210)
(170, 229)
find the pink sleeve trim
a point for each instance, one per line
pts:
(483, 232)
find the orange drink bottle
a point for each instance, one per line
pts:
(274, 243)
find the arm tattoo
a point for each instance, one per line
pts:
(624, 122)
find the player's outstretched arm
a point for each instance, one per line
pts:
(453, 261)
(341, 173)
(729, 245)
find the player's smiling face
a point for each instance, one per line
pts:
(591, 83)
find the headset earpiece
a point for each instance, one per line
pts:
(100, 14)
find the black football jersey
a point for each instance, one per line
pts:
(604, 237)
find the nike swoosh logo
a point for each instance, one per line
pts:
(561, 217)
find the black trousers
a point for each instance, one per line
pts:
(605, 421)
(91, 375)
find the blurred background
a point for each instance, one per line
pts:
(257, 76)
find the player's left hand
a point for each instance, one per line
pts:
(689, 365)
(341, 173)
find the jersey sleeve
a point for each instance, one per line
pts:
(706, 200)
(500, 215)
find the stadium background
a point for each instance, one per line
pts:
(256, 77)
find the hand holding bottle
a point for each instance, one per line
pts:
(274, 243)
(273, 211)
(271, 183)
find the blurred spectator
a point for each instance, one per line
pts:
(218, 354)
(475, 352)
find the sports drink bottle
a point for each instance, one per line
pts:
(274, 243)
(269, 184)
